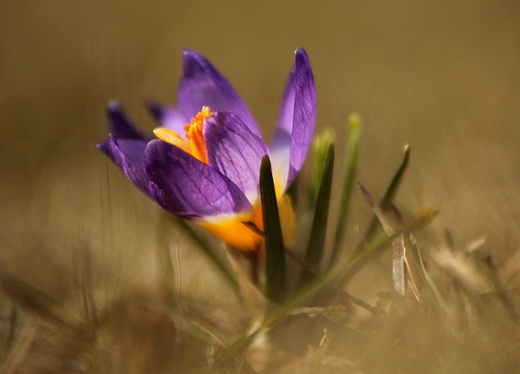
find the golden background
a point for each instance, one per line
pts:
(441, 76)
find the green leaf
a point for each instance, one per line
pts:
(396, 180)
(388, 196)
(274, 245)
(316, 243)
(338, 273)
(344, 270)
(348, 184)
(320, 148)
(381, 207)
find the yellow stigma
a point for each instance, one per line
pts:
(195, 143)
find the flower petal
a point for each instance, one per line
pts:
(189, 188)
(235, 151)
(120, 125)
(168, 117)
(202, 85)
(125, 147)
(234, 232)
(128, 155)
(296, 118)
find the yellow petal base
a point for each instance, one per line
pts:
(234, 232)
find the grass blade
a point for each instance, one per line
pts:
(316, 243)
(348, 184)
(344, 270)
(338, 273)
(378, 210)
(398, 255)
(320, 148)
(441, 305)
(396, 180)
(388, 196)
(398, 268)
(274, 245)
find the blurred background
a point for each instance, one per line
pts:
(441, 76)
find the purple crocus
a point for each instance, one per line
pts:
(210, 173)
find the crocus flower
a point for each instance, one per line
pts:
(205, 165)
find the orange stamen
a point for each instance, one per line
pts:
(195, 143)
(194, 135)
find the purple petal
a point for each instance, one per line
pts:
(202, 85)
(295, 125)
(120, 126)
(235, 151)
(187, 187)
(128, 155)
(168, 117)
(125, 146)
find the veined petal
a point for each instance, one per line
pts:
(128, 155)
(189, 188)
(202, 85)
(296, 118)
(169, 118)
(125, 146)
(235, 151)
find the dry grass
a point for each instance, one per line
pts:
(90, 319)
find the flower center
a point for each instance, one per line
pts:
(195, 143)
(194, 135)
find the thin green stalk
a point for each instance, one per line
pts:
(398, 273)
(348, 185)
(316, 243)
(338, 272)
(384, 205)
(343, 270)
(320, 148)
(388, 196)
